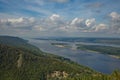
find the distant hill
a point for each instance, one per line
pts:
(19, 62)
(85, 39)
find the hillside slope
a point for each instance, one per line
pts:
(18, 64)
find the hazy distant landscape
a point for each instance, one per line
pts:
(85, 39)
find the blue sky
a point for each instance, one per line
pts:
(81, 18)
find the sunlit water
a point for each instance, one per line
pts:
(99, 62)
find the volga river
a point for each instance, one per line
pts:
(99, 62)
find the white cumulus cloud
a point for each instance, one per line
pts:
(114, 15)
(78, 22)
(55, 17)
(101, 27)
(115, 22)
(90, 22)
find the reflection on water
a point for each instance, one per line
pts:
(99, 62)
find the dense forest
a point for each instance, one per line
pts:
(22, 61)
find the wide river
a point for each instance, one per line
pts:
(99, 62)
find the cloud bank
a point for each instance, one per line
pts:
(56, 24)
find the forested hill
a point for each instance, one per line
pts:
(25, 63)
(17, 42)
(12, 40)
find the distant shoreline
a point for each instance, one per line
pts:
(111, 51)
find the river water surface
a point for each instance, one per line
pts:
(99, 62)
